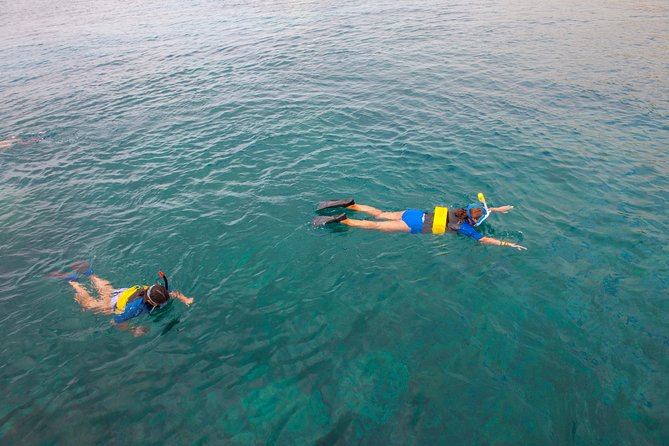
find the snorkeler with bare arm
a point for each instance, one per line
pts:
(123, 303)
(442, 220)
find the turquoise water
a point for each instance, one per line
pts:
(196, 137)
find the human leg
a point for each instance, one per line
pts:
(104, 289)
(84, 298)
(376, 213)
(383, 226)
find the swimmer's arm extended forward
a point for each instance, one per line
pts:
(177, 295)
(494, 241)
(502, 209)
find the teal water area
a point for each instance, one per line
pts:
(196, 137)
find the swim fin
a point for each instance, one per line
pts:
(344, 202)
(64, 276)
(82, 267)
(327, 219)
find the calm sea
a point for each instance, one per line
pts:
(196, 137)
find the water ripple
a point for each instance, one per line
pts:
(196, 138)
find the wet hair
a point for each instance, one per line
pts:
(159, 295)
(461, 213)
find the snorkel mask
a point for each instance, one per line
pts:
(484, 208)
(148, 292)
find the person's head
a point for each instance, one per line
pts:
(472, 214)
(475, 212)
(156, 295)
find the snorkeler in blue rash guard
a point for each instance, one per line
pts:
(125, 303)
(442, 220)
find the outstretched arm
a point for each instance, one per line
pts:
(177, 295)
(503, 209)
(494, 241)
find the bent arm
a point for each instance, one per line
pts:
(177, 295)
(494, 241)
(136, 331)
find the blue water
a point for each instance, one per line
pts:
(196, 137)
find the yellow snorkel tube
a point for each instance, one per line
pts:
(482, 200)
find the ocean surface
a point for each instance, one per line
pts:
(197, 136)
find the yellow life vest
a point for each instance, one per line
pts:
(126, 296)
(440, 220)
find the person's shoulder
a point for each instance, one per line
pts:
(468, 230)
(123, 317)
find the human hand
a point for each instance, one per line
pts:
(139, 331)
(181, 297)
(518, 247)
(504, 209)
